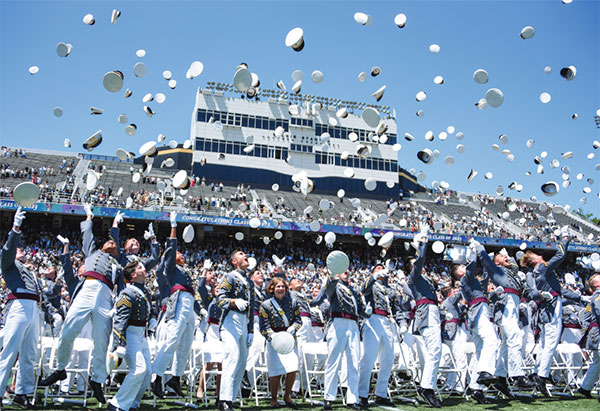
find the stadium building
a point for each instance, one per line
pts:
(269, 138)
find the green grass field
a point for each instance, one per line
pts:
(575, 403)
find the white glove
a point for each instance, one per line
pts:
(523, 307)
(368, 309)
(88, 209)
(120, 352)
(119, 217)
(449, 317)
(476, 245)
(173, 218)
(62, 239)
(403, 330)
(152, 324)
(586, 299)
(292, 330)
(564, 231)
(19, 217)
(150, 232)
(249, 340)
(422, 234)
(546, 295)
(207, 264)
(241, 304)
(203, 312)
(57, 318)
(380, 274)
(499, 290)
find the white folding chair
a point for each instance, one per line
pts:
(82, 371)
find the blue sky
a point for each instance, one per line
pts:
(471, 34)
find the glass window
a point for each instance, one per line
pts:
(264, 152)
(278, 153)
(337, 160)
(363, 163)
(221, 146)
(229, 147)
(236, 148)
(215, 115)
(271, 125)
(201, 115)
(317, 158)
(238, 119)
(244, 121)
(369, 163)
(251, 121)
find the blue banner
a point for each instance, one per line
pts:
(109, 212)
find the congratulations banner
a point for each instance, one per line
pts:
(185, 217)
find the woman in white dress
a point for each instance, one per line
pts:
(280, 313)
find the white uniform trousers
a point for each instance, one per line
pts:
(21, 333)
(137, 357)
(93, 301)
(179, 335)
(342, 337)
(549, 339)
(378, 343)
(257, 347)
(303, 336)
(234, 334)
(486, 346)
(457, 347)
(510, 360)
(79, 359)
(431, 348)
(592, 374)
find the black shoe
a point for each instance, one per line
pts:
(225, 406)
(540, 384)
(157, 388)
(479, 396)
(384, 401)
(291, 404)
(175, 385)
(502, 386)
(56, 376)
(23, 402)
(487, 379)
(97, 391)
(295, 395)
(523, 382)
(327, 405)
(110, 407)
(585, 393)
(354, 407)
(403, 375)
(429, 396)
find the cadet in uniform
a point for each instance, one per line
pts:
(504, 275)
(304, 334)
(343, 336)
(236, 299)
(427, 319)
(280, 313)
(482, 329)
(94, 301)
(378, 337)
(129, 338)
(454, 336)
(591, 338)
(550, 309)
(21, 316)
(180, 317)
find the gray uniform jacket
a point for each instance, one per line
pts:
(453, 306)
(344, 301)
(591, 319)
(546, 280)
(19, 279)
(179, 278)
(134, 309)
(379, 294)
(421, 289)
(474, 291)
(98, 264)
(236, 284)
(271, 320)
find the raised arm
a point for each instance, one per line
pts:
(88, 242)
(561, 254)
(9, 251)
